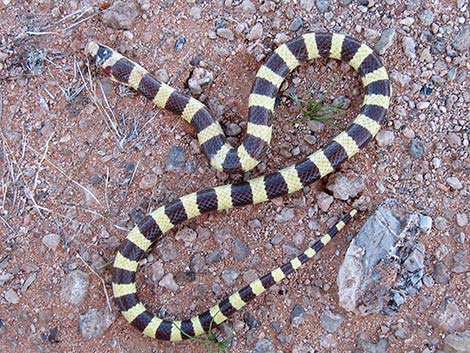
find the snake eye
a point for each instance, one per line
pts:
(103, 54)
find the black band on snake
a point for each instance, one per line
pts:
(225, 158)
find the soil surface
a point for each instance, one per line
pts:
(83, 159)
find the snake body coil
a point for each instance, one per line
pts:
(225, 158)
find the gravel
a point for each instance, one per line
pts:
(425, 223)
(148, 182)
(162, 75)
(179, 43)
(197, 263)
(462, 219)
(251, 322)
(426, 17)
(371, 347)
(256, 32)
(200, 78)
(195, 12)
(187, 236)
(156, 271)
(233, 129)
(307, 5)
(448, 316)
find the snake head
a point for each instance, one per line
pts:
(101, 54)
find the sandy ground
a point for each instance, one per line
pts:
(81, 160)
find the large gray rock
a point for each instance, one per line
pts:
(457, 343)
(384, 263)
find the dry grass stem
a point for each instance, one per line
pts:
(101, 279)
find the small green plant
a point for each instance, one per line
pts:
(210, 341)
(316, 109)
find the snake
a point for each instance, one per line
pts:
(223, 157)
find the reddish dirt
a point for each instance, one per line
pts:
(66, 170)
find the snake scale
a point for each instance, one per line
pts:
(224, 157)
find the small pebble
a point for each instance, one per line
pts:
(162, 75)
(225, 33)
(180, 40)
(233, 129)
(457, 342)
(264, 346)
(423, 105)
(409, 47)
(322, 5)
(425, 223)
(385, 41)
(175, 159)
(297, 315)
(148, 182)
(168, 281)
(256, 32)
(240, 250)
(94, 322)
(454, 183)
(385, 138)
(251, 322)
(427, 17)
(286, 215)
(462, 219)
(214, 256)
(195, 12)
(441, 223)
(11, 296)
(440, 273)
(324, 201)
(296, 23)
(157, 272)
(416, 148)
(229, 276)
(75, 287)
(51, 241)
